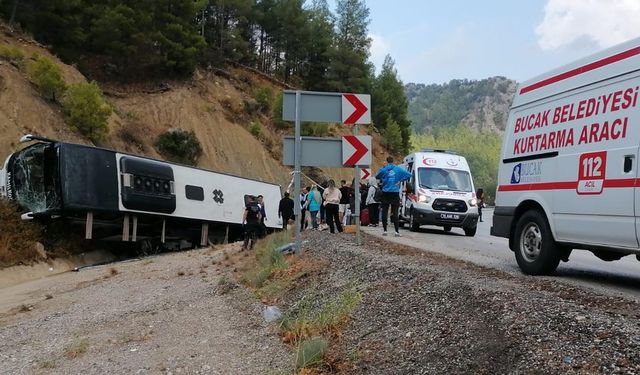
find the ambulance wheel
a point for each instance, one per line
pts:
(413, 225)
(470, 232)
(447, 228)
(536, 251)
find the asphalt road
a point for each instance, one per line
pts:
(620, 277)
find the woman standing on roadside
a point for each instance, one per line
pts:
(332, 197)
(314, 200)
(372, 204)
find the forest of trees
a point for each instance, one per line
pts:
(446, 105)
(480, 148)
(302, 43)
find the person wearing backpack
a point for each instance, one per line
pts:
(314, 202)
(251, 221)
(374, 196)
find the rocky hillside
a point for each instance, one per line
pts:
(482, 104)
(236, 132)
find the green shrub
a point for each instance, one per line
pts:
(255, 129)
(315, 130)
(12, 54)
(47, 77)
(87, 111)
(276, 115)
(180, 146)
(264, 97)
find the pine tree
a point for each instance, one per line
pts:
(389, 101)
(350, 70)
(321, 48)
(392, 137)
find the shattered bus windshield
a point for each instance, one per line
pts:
(34, 178)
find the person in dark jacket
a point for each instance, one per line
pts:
(251, 221)
(285, 210)
(480, 202)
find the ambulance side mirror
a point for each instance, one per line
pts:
(408, 187)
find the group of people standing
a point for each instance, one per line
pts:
(329, 204)
(322, 207)
(334, 204)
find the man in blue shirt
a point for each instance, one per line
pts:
(391, 176)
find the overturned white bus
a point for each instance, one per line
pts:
(118, 196)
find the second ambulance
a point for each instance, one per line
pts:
(568, 177)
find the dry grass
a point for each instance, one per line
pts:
(141, 337)
(309, 318)
(17, 237)
(25, 308)
(47, 364)
(76, 348)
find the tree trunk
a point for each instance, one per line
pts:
(13, 12)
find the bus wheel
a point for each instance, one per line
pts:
(536, 251)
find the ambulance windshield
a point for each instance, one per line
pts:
(444, 179)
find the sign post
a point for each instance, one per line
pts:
(349, 109)
(356, 191)
(296, 175)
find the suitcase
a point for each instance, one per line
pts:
(364, 217)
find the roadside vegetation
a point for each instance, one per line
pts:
(25, 242)
(310, 321)
(18, 238)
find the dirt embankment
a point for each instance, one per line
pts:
(218, 105)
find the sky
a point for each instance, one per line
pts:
(435, 41)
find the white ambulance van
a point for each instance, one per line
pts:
(440, 192)
(568, 177)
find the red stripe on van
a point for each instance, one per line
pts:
(568, 185)
(540, 186)
(583, 69)
(622, 183)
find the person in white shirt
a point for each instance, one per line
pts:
(331, 203)
(372, 204)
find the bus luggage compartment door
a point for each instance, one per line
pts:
(147, 185)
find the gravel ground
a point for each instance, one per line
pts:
(424, 313)
(421, 313)
(168, 314)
